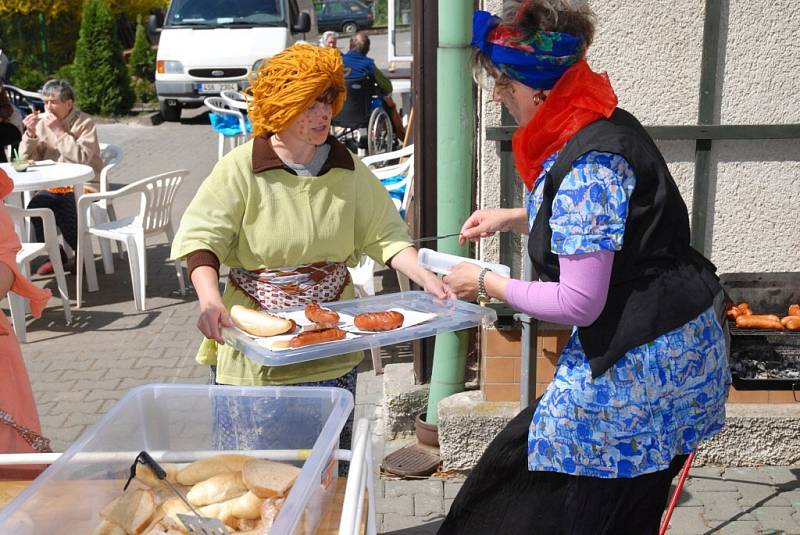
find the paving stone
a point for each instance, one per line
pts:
(782, 475)
(403, 487)
(399, 505)
(103, 384)
(69, 407)
(759, 494)
(414, 525)
(133, 373)
(63, 396)
(67, 363)
(448, 503)
(91, 375)
(723, 506)
(749, 475)
(738, 527)
(103, 395)
(687, 521)
(778, 518)
(80, 418)
(452, 488)
(425, 505)
(709, 483)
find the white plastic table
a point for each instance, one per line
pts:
(55, 175)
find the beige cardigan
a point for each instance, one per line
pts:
(77, 145)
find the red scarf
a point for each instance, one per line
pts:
(580, 97)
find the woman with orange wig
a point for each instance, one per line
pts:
(287, 212)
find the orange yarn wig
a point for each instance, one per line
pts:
(290, 82)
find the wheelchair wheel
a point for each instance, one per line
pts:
(380, 136)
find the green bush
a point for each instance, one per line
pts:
(102, 83)
(142, 63)
(66, 72)
(28, 78)
(143, 89)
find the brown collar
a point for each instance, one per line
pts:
(265, 158)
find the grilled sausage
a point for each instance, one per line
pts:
(791, 323)
(319, 314)
(767, 322)
(794, 310)
(379, 321)
(317, 337)
(734, 311)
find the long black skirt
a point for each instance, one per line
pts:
(502, 496)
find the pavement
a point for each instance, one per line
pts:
(79, 371)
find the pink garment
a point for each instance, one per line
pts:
(16, 397)
(577, 299)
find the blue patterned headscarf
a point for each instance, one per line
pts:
(537, 61)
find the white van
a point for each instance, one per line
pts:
(209, 46)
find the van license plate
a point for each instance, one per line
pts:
(216, 88)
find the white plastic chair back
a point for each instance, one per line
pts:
(363, 275)
(111, 156)
(158, 194)
(232, 98)
(220, 106)
(30, 250)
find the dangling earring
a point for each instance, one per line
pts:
(539, 97)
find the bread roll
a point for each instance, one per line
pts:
(247, 507)
(206, 468)
(266, 479)
(259, 323)
(249, 525)
(220, 488)
(146, 475)
(108, 528)
(131, 510)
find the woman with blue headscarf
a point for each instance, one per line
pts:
(643, 379)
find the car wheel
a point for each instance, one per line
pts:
(349, 28)
(171, 114)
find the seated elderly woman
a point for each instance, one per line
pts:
(287, 212)
(328, 39)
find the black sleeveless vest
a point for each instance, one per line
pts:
(658, 282)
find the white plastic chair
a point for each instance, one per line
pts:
(363, 275)
(155, 217)
(28, 252)
(103, 211)
(234, 99)
(219, 106)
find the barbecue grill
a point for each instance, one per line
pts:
(764, 360)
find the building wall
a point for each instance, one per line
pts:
(652, 52)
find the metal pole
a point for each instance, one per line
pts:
(530, 327)
(455, 119)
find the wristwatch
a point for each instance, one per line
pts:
(483, 297)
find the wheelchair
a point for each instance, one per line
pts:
(364, 124)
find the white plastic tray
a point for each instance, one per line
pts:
(450, 315)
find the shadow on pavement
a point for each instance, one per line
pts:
(429, 528)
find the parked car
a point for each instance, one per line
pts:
(346, 16)
(208, 46)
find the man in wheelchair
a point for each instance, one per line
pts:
(369, 104)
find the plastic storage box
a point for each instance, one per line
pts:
(445, 315)
(176, 423)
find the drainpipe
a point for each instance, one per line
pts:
(454, 149)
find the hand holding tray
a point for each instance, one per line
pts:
(444, 316)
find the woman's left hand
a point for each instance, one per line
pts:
(463, 280)
(434, 286)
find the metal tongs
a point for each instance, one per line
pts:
(195, 523)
